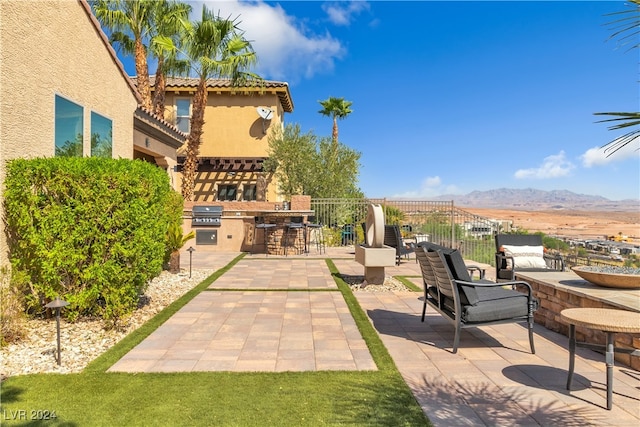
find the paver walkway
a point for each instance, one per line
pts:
(262, 315)
(290, 316)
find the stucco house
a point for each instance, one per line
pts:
(63, 91)
(235, 136)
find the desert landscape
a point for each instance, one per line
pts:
(570, 223)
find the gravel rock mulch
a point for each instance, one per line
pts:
(358, 284)
(84, 340)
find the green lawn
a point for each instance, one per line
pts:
(95, 398)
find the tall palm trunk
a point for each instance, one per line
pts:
(334, 141)
(193, 141)
(142, 74)
(159, 94)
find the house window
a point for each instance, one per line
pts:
(183, 114)
(227, 192)
(249, 192)
(101, 136)
(68, 128)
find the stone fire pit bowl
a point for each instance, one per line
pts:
(610, 277)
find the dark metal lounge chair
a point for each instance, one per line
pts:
(469, 304)
(393, 238)
(523, 252)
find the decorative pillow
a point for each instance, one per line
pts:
(526, 256)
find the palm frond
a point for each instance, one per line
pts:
(629, 119)
(627, 27)
(622, 141)
(123, 41)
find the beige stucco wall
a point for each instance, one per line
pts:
(50, 48)
(163, 155)
(233, 128)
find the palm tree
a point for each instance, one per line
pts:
(167, 21)
(627, 28)
(336, 108)
(215, 48)
(125, 18)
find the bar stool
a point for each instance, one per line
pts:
(297, 226)
(317, 230)
(267, 229)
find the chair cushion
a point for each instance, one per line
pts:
(458, 270)
(496, 304)
(468, 294)
(525, 257)
(505, 274)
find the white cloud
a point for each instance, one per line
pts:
(431, 186)
(343, 13)
(598, 156)
(286, 48)
(553, 166)
(432, 182)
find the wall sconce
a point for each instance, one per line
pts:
(231, 173)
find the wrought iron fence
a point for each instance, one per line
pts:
(575, 260)
(435, 221)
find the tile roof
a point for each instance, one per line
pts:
(281, 88)
(168, 129)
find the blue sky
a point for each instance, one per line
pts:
(450, 96)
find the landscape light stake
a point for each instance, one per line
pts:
(190, 250)
(57, 304)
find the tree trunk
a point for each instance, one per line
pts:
(174, 262)
(159, 89)
(190, 167)
(142, 74)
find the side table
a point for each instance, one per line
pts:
(609, 321)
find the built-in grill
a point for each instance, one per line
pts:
(206, 216)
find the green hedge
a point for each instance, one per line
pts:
(92, 231)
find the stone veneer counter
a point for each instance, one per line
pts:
(561, 290)
(570, 282)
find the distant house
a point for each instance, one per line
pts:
(235, 136)
(64, 92)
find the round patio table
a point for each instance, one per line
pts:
(607, 320)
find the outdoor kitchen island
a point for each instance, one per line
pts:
(222, 226)
(285, 232)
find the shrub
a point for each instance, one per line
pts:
(553, 243)
(392, 215)
(89, 230)
(332, 236)
(176, 239)
(11, 307)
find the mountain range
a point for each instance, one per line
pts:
(532, 199)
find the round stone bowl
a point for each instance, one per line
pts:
(608, 279)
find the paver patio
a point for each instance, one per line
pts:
(303, 324)
(277, 314)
